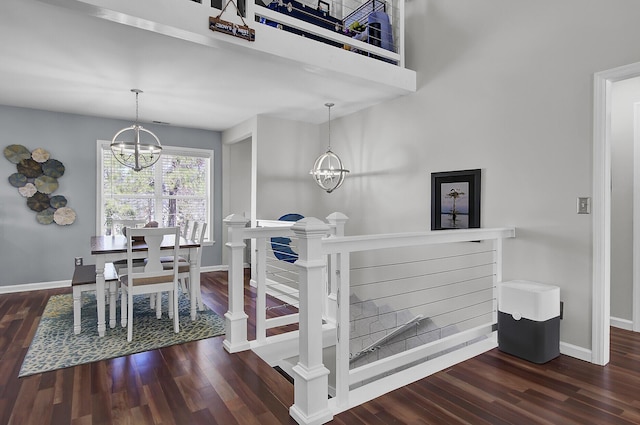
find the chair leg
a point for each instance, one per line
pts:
(113, 294)
(130, 316)
(200, 302)
(152, 301)
(77, 298)
(176, 325)
(172, 295)
(198, 296)
(123, 308)
(183, 286)
(158, 304)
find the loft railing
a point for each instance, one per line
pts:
(374, 28)
(405, 300)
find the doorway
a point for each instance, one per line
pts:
(601, 282)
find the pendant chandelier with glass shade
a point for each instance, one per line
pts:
(136, 147)
(328, 171)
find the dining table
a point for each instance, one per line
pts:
(114, 248)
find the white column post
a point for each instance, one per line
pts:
(235, 317)
(311, 405)
(338, 220)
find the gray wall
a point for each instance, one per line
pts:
(34, 253)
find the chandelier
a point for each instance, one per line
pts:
(131, 150)
(328, 171)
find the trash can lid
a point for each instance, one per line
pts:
(531, 300)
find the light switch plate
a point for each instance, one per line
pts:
(584, 206)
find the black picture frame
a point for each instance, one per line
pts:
(455, 199)
(323, 6)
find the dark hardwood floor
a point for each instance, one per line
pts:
(200, 383)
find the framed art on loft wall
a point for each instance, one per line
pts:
(455, 199)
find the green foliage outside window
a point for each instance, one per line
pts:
(175, 189)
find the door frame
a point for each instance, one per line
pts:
(601, 281)
(635, 317)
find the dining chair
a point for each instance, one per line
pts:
(118, 224)
(184, 266)
(185, 234)
(117, 228)
(185, 229)
(153, 278)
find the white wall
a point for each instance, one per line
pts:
(240, 174)
(506, 87)
(286, 152)
(503, 86)
(624, 95)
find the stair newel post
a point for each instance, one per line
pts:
(338, 220)
(311, 404)
(235, 317)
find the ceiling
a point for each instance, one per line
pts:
(63, 59)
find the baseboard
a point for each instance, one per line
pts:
(621, 323)
(26, 287)
(571, 350)
(220, 268)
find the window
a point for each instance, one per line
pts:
(177, 188)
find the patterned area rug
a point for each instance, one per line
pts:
(55, 346)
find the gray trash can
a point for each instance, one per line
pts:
(529, 320)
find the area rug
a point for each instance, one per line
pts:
(55, 346)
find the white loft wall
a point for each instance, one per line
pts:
(507, 87)
(240, 174)
(286, 152)
(624, 95)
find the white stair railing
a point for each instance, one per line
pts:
(324, 276)
(239, 236)
(309, 403)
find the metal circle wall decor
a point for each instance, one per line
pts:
(40, 155)
(17, 180)
(16, 153)
(29, 168)
(36, 179)
(28, 190)
(52, 168)
(46, 184)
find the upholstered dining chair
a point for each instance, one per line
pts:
(184, 267)
(153, 278)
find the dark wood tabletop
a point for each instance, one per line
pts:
(113, 244)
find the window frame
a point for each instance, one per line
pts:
(104, 145)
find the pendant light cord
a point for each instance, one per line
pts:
(137, 92)
(329, 105)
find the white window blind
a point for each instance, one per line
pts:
(177, 188)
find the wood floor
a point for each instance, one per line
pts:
(200, 383)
